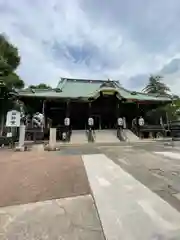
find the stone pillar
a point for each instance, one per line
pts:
(22, 131)
(52, 139)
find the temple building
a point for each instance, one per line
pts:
(80, 99)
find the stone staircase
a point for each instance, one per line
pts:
(79, 137)
(130, 136)
(106, 136)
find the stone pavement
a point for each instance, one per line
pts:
(32, 176)
(50, 195)
(158, 172)
(128, 210)
(67, 219)
(41, 179)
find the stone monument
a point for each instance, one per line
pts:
(52, 139)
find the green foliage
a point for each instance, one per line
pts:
(170, 110)
(8, 54)
(13, 81)
(9, 80)
(173, 109)
(5, 69)
(40, 86)
(156, 86)
(9, 61)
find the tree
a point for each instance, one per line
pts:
(14, 81)
(9, 58)
(9, 61)
(9, 80)
(170, 111)
(156, 86)
(40, 86)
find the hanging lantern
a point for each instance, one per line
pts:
(67, 121)
(141, 121)
(120, 122)
(90, 121)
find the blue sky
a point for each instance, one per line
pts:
(95, 39)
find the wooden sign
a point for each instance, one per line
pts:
(13, 118)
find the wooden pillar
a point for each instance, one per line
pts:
(137, 119)
(68, 108)
(43, 107)
(89, 106)
(44, 112)
(118, 109)
(137, 110)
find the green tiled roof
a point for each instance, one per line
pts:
(80, 88)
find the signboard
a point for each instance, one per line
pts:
(13, 118)
(9, 134)
(108, 92)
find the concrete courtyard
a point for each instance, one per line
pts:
(79, 192)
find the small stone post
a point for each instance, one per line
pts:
(52, 139)
(22, 130)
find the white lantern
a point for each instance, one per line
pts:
(67, 121)
(141, 121)
(64, 136)
(120, 122)
(90, 121)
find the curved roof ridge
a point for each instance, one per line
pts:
(142, 93)
(88, 80)
(153, 94)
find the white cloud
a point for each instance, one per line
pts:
(91, 39)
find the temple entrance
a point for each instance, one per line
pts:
(78, 115)
(56, 111)
(104, 112)
(108, 121)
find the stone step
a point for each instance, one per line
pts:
(131, 137)
(79, 137)
(105, 136)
